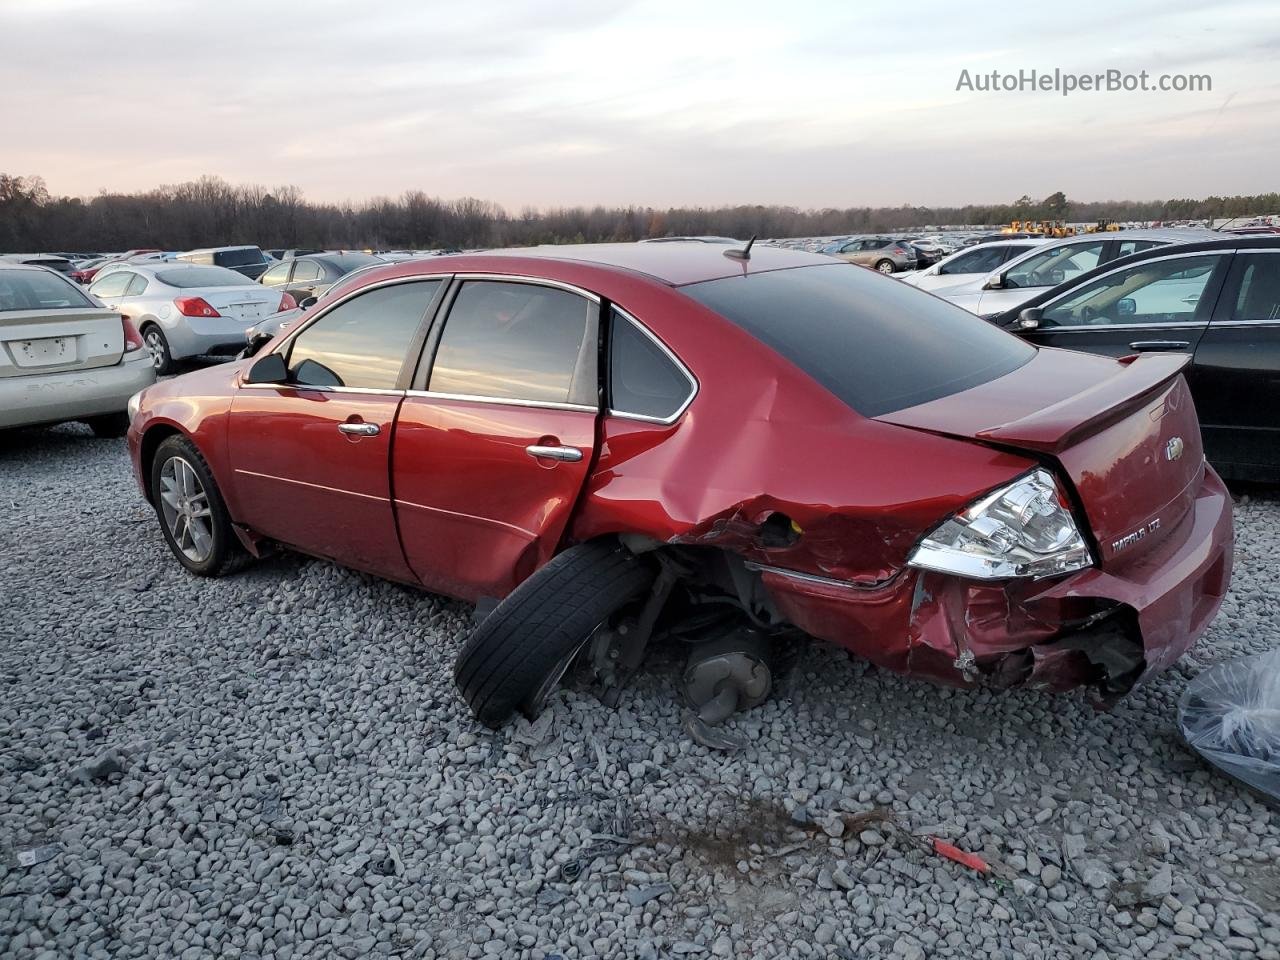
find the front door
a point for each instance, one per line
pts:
(311, 457)
(492, 450)
(1238, 370)
(1160, 305)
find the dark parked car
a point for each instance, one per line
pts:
(596, 442)
(310, 276)
(248, 260)
(1216, 303)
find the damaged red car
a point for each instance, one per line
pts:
(604, 445)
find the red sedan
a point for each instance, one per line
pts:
(602, 445)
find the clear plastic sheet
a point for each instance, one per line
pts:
(1230, 715)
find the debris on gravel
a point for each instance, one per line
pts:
(276, 764)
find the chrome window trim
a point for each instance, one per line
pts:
(1218, 324)
(302, 387)
(1179, 324)
(522, 278)
(688, 375)
(502, 401)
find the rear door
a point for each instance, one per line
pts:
(494, 443)
(1158, 305)
(311, 457)
(306, 279)
(1237, 370)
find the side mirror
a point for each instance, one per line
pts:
(995, 283)
(269, 369)
(1029, 319)
(1126, 306)
(306, 303)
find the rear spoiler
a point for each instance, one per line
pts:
(1057, 427)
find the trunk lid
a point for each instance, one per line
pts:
(56, 340)
(247, 304)
(1125, 433)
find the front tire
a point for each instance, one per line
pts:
(158, 344)
(193, 516)
(522, 649)
(885, 266)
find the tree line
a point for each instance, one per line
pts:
(212, 212)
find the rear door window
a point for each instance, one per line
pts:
(305, 270)
(1258, 296)
(518, 341)
(363, 342)
(877, 344)
(645, 379)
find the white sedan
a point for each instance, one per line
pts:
(968, 264)
(63, 356)
(187, 310)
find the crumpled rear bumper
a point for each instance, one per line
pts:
(1103, 628)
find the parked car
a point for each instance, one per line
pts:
(187, 310)
(967, 263)
(928, 252)
(744, 459)
(63, 356)
(880, 253)
(303, 277)
(46, 260)
(1055, 262)
(247, 260)
(1215, 302)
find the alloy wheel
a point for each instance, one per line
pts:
(154, 340)
(185, 506)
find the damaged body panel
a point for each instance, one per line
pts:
(759, 443)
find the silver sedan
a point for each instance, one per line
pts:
(188, 310)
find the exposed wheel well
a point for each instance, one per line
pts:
(150, 441)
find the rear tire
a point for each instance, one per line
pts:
(158, 344)
(525, 645)
(202, 539)
(109, 426)
(885, 266)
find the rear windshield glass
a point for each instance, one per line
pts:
(202, 277)
(876, 343)
(238, 258)
(38, 290)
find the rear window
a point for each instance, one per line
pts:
(877, 344)
(238, 258)
(38, 290)
(202, 277)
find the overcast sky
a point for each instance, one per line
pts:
(606, 101)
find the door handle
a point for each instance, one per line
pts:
(565, 454)
(360, 429)
(1153, 345)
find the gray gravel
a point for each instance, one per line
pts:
(276, 765)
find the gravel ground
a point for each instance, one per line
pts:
(276, 765)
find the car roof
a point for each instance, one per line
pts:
(674, 264)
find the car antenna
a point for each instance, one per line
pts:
(744, 253)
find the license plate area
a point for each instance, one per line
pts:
(43, 352)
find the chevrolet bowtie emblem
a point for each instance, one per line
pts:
(1173, 449)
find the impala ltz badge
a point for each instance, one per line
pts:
(1129, 539)
(1173, 449)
